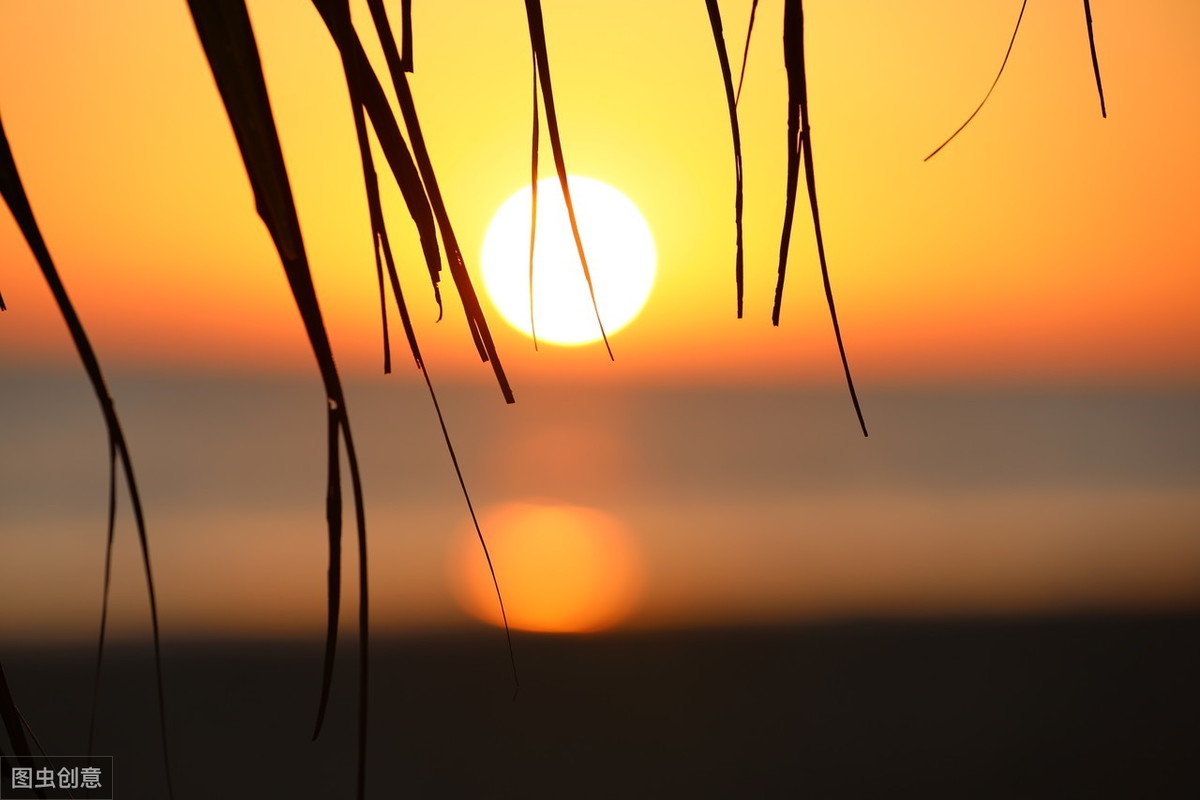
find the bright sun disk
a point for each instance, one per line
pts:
(620, 254)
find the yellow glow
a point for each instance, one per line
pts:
(617, 243)
(562, 569)
(131, 166)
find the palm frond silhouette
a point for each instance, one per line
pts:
(231, 49)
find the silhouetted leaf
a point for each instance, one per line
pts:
(108, 554)
(537, 40)
(714, 17)
(18, 204)
(14, 723)
(229, 44)
(533, 190)
(416, 181)
(800, 145)
(337, 17)
(1087, 13)
(746, 50)
(996, 80)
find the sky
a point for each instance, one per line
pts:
(1045, 250)
(1045, 243)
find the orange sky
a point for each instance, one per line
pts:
(1043, 242)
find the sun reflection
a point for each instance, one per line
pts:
(562, 568)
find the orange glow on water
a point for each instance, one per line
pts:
(562, 569)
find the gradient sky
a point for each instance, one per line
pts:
(1045, 245)
(1045, 242)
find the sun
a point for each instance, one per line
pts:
(561, 568)
(619, 249)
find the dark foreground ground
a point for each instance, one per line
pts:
(1019, 708)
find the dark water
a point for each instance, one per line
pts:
(1053, 707)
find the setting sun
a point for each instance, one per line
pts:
(619, 249)
(563, 569)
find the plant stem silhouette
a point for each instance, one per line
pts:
(537, 40)
(800, 147)
(232, 52)
(118, 450)
(999, 72)
(1087, 13)
(714, 17)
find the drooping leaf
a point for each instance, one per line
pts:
(232, 52)
(404, 58)
(380, 113)
(533, 198)
(714, 18)
(108, 554)
(800, 147)
(991, 88)
(14, 723)
(1087, 13)
(746, 50)
(379, 238)
(413, 173)
(18, 204)
(338, 21)
(537, 41)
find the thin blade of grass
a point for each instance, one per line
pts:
(417, 181)
(108, 554)
(800, 146)
(13, 722)
(354, 69)
(383, 315)
(991, 88)
(746, 51)
(478, 532)
(333, 579)
(378, 108)
(406, 18)
(379, 238)
(795, 99)
(18, 204)
(403, 57)
(341, 29)
(533, 190)
(375, 210)
(232, 52)
(359, 73)
(714, 17)
(16, 727)
(458, 270)
(537, 40)
(379, 241)
(406, 36)
(408, 327)
(1087, 13)
(37, 743)
(336, 14)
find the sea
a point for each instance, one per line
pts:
(995, 594)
